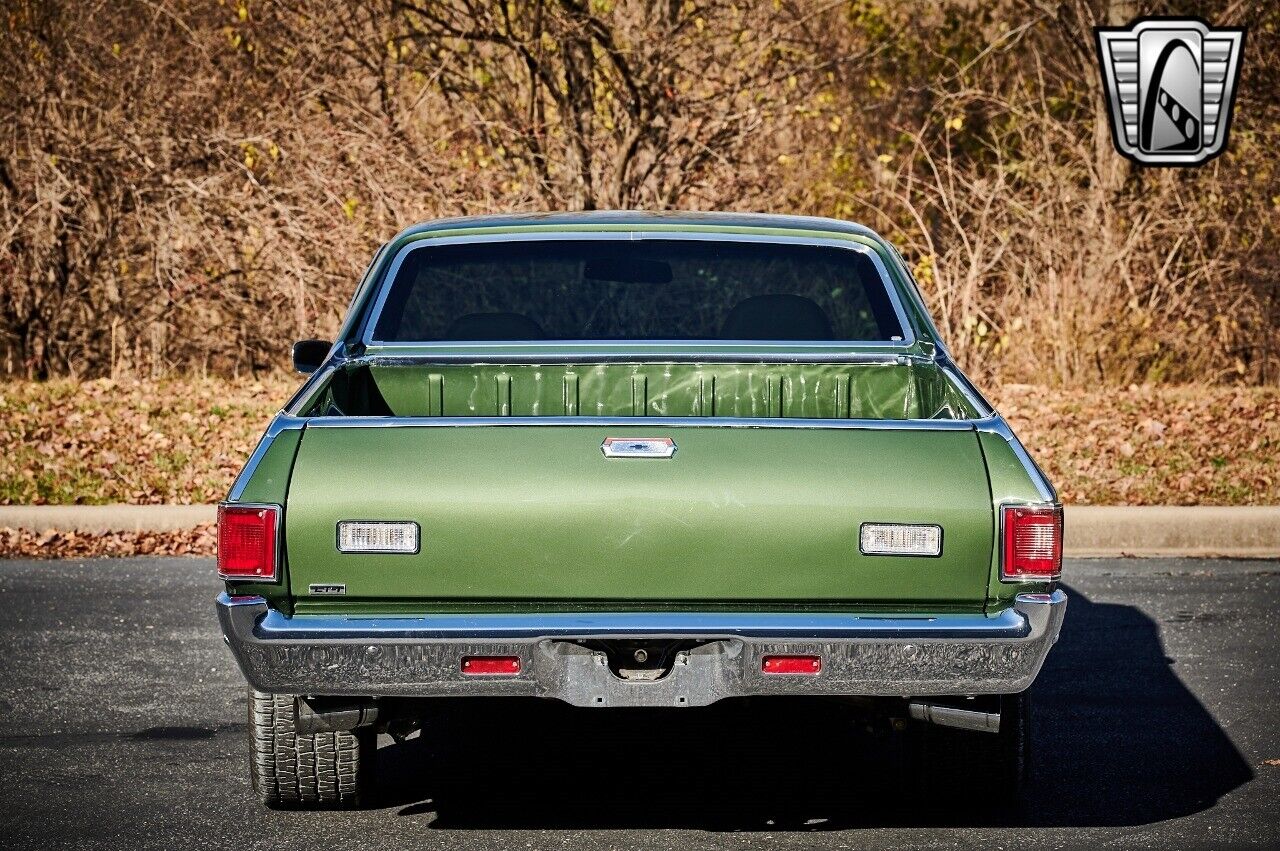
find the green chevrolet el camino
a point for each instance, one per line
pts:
(629, 459)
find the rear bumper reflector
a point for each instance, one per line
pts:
(490, 665)
(791, 665)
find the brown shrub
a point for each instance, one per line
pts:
(189, 186)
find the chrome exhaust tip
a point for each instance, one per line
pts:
(950, 716)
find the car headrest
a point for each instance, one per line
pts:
(776, 317)
(494, 326)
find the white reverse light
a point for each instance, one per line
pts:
(900, 539)
(377, 536)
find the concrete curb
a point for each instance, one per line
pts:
(106, 518)
(1092, 531)
(1245, 531)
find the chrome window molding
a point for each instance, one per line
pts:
(620, 347)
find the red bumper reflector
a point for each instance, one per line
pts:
(490, 664)
(791, 664)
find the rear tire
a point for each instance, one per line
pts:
(315, 771)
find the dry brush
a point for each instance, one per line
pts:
(188, 186)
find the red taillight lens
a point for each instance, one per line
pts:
(247, 541)
(490, 664)
(1032, 542)
(791, 665)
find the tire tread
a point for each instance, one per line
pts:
(313, 771)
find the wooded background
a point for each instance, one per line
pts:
(187, 187)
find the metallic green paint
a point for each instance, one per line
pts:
(815, 391)
(539, 514)
(537, 518)
(1010, 483)
(269, 483)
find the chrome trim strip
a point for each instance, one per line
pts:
(280, 423)
(647, 423)
(306, 394)
(997, 425)
(275, 625)
(620, 347)
(966, 388)
(386, 356)
(366, 280)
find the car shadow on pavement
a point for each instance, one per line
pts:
(1120, 741)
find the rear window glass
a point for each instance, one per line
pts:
(642, 290)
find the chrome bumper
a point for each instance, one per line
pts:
(402, 656)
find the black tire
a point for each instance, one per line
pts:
(316, 771)
(975, 773)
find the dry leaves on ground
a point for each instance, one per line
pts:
(141, 442)
(22, 543)
(1146, 445)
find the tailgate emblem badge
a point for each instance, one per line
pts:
(638, 447)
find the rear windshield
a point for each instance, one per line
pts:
(642, 290)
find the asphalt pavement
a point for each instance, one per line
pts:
(124, 726)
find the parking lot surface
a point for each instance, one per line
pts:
(1157, 722)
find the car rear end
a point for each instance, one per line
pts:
(635, 461)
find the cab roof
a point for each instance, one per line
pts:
(641, 219)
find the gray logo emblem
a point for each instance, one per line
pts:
(638, 447)
(1170, 84)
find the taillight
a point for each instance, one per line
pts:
(1032, 542)
(247, 541)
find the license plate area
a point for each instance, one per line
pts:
(641, 672)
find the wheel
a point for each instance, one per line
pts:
(977, 773)
(316, 771)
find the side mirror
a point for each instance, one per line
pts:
(308, 355)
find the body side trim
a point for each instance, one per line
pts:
(280, 423)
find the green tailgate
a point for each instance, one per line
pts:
(738, 516)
